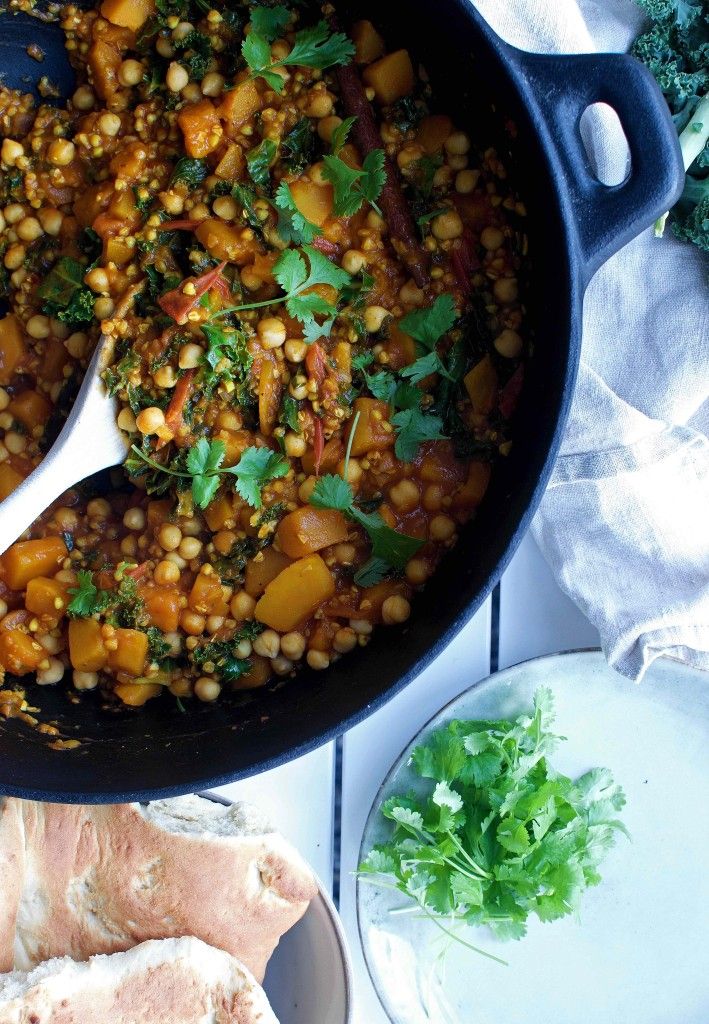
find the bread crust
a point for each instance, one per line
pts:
(12, 871)
(102, 879)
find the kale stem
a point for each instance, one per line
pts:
(157, 465)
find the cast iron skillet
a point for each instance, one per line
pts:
(574, 225)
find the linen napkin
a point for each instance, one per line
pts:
(624, 523)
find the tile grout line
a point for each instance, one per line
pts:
(337, 820)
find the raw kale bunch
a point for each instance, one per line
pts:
(676, 50)
(497, 835)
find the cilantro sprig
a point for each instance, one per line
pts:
(353, 187)
(497, 835)
(255, 468)
(87, 598)
(312, 48)
(293, 227)
(427, 327)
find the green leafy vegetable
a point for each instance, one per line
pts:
(313, 48)
(341, 134)
(254, 469)
(427, 327)
(412, 427)
(298, 146)
(197, 53)
(676, 50)
(190, 170)
(246, 198)
(221, 656)
(269, 22)
(293, 227)
(259, 161)
(64, 294)
(353, 187)
(496, 835)
(88, 599)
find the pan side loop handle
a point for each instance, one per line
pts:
(562, 87)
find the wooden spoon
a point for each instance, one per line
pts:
(89, 441)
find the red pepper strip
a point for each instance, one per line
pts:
(221, 287)
(138, 571)
(392, 201)
(318, 444)
(465, 263)
(173, 414)
(509, 395)
(325, 246)
(178, 305)
(178, 225)
(315, 363)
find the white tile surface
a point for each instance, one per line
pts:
(369, 751)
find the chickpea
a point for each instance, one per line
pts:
(320, 104)
(345, 553)
(447, 226)
(51, 644)
(103, 308)
(294, 445)
(505, 290)
(172, 202)
(404, 495)
(395, 609)
(417, 571)
(83, 98)
(318, 660)
(191, 92)
(317, 174)
(271, 332)
(295, 350)
(130, 72)
(281, 666)
(491, 238)
(225, 207)
(176, 78)
(182, 30)
(4, 399)
(181, 687)
(165, 47)
(207, 689)
(433, 498)
(457, 144)
(214, 623)
(345, 640)
(176, 559)
(212, 84)
(38, 326)
(375, 222)
(327, 125)
(509, 344)
(60, 152)
(267, 644)
(29, 229)
(411, 295)
(126, 421)
(409, 155)
(190, 356)
(165, 377)
(306, 489)
(224, 541)
(15, 443)
(441, 528)
(14, 213)
(353, 261)
(99, 507)
(11, 152)
(191, 527)
(190, 548)
(457, 163)
(242, 605)
(97, 280)
(15, 256)
(192, 623)
(85, 680)
(149, 420)
(443, 177)
(134, 518)
(51, 220)
(466, 182)
(374, 317)
(293, 645)
(52, 674)
(169, 537)
(166, 573)
(298, 387)
(129, 546)
(109, 124)
(362, 627)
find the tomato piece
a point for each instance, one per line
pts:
(178, 305)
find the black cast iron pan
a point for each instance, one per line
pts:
(574, 224)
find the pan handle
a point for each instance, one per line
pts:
(605, 217)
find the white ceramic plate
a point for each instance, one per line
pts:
(309, 977)
(639, 951)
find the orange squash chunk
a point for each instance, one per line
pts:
(163, 607)
(219, 512)
(87, 651)
(370, 434)
(224, 241)
(481, 385)
(31, 409)
(29, 558)
(295, 594)
(258, 674)
(19, 653)
(9, 480)
(369, 45)
(131, 652)
(270, 387)
(264, 568)
(137, 694)
(239, 104)
(12, 347)
(314, 201)
(231, 164)
(48, 597)
(433, 132)
(206, 595)
(400, 347)
(473, 490)
(54, 359)
(201, 127)
(308, 529)
(130, 14)
(391, 77)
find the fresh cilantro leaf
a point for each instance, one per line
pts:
(259, 161)
(353, 187)
(412, 427)
(312, 48)
(295, 277)
(362, 360)
(191, 170)
(428, 326)
(254, 470)
(423, 367)
(88, 599)
(387, 544)
(372, 572)
(332, 492)
(341, 134)
(293, 227)
(203, 462)
(269, 22)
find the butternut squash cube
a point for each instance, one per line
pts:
(29, 558)
(295, 594)
(54, 359)
(371, 434)
(481, 385)
(206, 595)
(163, 607)
(308, 529)
(47, 597)
(264, 568)
(12, 347)
(433, 132)
(225, 241)
(258, 675)
(19, 653)
(469, 496)
(130, 14)
(392, 77)
(30, 409)
(9, 480)
(87, 651)
(131, 652)
(201, 127)
(239, 104)
(314, 201)
(219, 512)
(369, 45)
(231, 164)
(137, 694)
